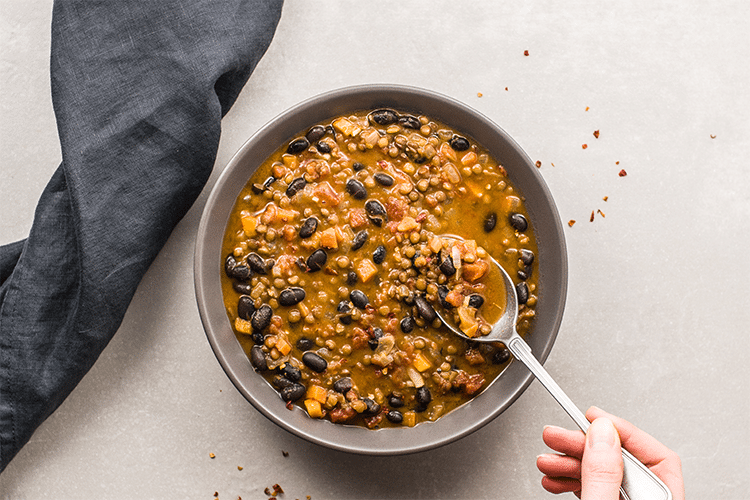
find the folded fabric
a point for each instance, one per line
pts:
(139, 89)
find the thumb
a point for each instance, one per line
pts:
(601, 465)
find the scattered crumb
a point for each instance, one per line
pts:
(267, 491)
(713, 136)
(571, 222)
(277, 489)
(600, 213)
(479, 94)
(584, 146)
(622, 173)
(538, 164)
(285, 453)
(592, 216)
(216, 493)
(526, 52)
(239, 467)
(506, 89)
(617, 162)
(211, 455)
(596, 134)
(605, 198)
(587, 108)
(552, 164)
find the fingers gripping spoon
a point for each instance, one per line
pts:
(638, 482)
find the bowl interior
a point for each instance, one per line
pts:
(552, 260)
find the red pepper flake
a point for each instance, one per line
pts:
(284, 453)
(479, 94)
(600, 212)
(596, 134)
(526, 52)
(506, 89)
(277, 489)
(239, 467)
(289, 405)
(267, 491)
(605, 198)
(584, 146)
(622, 173)
(713, 136)
(211, 455)
(538, 164)
(571, 222)
(216, 493)
(587, 108)
(617, 162)
(552, 164)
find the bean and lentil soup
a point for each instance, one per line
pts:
(338, 251)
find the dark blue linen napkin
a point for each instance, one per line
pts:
(139, 89)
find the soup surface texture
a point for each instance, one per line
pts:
(344, 243)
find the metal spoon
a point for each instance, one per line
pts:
(638, 482)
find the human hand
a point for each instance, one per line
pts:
(591, 464)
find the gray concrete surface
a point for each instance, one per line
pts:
(656, 325)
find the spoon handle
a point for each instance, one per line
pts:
(638, 482)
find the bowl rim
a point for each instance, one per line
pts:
(207, 268)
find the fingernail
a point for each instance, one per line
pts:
(601, 434)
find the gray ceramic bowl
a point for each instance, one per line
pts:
(552, 258)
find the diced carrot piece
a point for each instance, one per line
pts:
(346, 127)
(357, 218)
(317, 393)
(285, 215)
(243, 326)
(436, 244)
(328, 238)
(407, 224)
(410, 419)
(421, 362)
(474, 270)
(366, 270)
(249, 223)
(283, 346)
(327, 194)
(468, 321)
(313, 408)
(290, 161)
(454, 298)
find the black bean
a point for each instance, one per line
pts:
(371, 407)
(291, 296)
(308, 227)
(407, 324)
(409, 121)
(279, 381)
(258, 188)
(269, 181)
(443, 292)
(257, 337)
(317, 260)
(243, 288)
(359, 166)
(261, 318)
(377, 333)
(375, 208)
(359, 299)
(425, 310)
(525, 273)
(396, 400)
(323, 147)
(229, 264)
(314, 362)
(423, 397)
(257, 263)
(519, 223)
(297, 146)
(384, 179)
(351, 278)
(359, 239)
(343, 385)
(522, 289)
(315, 134)
(344, 309)
(346, 319)
(490, 222)
(501, 356)
(356, 189)
(305, 344)
(245, 307)
(394, 417)
(459, 143)
(447, 267)
(378, 256)
(291, 372)
(258, 359)
(527, 256)
(383, 116)
(296, 186)
(293, 392)
(476, 300)
(373, 344)
(241, 273)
